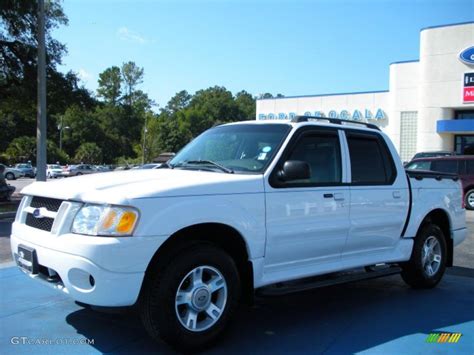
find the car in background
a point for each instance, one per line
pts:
(463, 165)
(102, 168)
(149, 166)
(439, 153)
(54, 170)
(146, 166)
(27, 169)
(12, 173)
(77, 170)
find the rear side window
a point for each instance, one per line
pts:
(371, 162)
(419, 165)
(445, 166)
(470, 167)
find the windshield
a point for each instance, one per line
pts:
(239, 148)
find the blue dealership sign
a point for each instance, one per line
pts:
(467, 56)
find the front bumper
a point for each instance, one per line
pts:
(100, 271)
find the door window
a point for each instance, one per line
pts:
(371, 162)
(321, 151)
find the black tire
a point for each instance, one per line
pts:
(10, 176)
(157, 301)
(78, 174)
(469, 196)
(414, 272)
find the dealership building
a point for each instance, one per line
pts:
(429, 105)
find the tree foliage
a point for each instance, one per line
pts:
(110, 83)
(106, 131)
(88, 153)
(18, 71)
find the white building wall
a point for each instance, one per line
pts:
(441, 82)
(403, 87)
(431, 86)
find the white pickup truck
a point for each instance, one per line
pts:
(245, 207)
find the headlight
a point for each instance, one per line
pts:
(105, 220)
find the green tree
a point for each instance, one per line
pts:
(18, 70)
(54, 154)
(18, 37)
(132, 76)
(22, 149)
(246, 105)
(172, 136)
(110, 81)
(79, 126)
(89, 153)
(178, 102)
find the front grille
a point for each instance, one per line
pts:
(51, 204)
(44, 223)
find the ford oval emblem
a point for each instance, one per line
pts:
(37, 213)
(467, 56)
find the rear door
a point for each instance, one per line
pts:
(379, 196)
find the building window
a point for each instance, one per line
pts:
(408, 129)
(464, 115)
(464, 144)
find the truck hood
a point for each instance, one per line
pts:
(123, 186)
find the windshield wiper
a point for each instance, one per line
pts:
(209, 162)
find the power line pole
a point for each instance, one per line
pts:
(41, 116)
(145, 130)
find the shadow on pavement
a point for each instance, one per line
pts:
(380, 315)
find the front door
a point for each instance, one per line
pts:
(307, 220)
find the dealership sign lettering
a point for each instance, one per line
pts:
(468, 90)
(356, 115)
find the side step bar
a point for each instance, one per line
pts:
(284, 288)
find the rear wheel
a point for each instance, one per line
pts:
(469, 200)
(189, 303)
(10, 176)
(428, 259)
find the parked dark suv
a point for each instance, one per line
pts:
(463, 165)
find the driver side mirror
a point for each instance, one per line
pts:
(295, 170)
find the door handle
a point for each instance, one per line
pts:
(339, 197)
(396, 194)
(336, 196)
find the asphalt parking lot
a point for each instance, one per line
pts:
(381, 316)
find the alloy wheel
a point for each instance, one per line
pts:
(201, 298)
(431, 256)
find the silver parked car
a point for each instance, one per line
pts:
(12, 173)
(81, 169)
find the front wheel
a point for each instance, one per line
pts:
(469, 200)
(10, 176)
(189, 303)
(428, 259)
